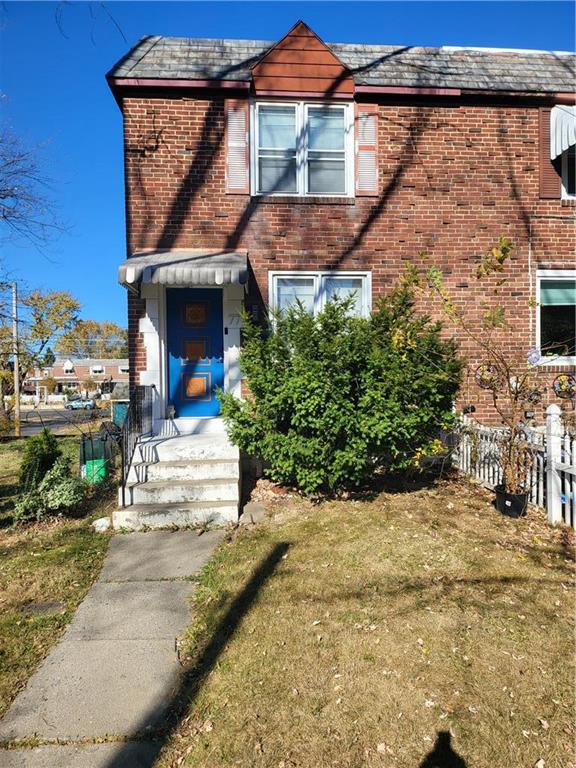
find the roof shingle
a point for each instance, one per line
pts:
(383, 65)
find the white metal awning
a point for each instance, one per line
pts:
(562, 130)
(186, 266)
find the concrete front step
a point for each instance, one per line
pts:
(140, 516)
(187, 448)
(209, 469)
(170, 492)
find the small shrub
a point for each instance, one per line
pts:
(334, 398)
(40, 454)
(59, 493)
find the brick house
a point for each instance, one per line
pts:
(72, 373)
(261, 172)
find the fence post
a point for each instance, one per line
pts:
(554, 454)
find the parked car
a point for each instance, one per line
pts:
(86, 405)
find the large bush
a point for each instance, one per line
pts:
(39, 455)
(334, 397)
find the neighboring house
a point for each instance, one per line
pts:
(264, 172)
(71, 373)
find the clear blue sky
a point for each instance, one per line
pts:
(54, 93)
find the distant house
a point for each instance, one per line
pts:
(71, 373)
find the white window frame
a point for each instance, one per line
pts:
(100, 372)
(564, 177)
(319, 292)
(68, 371)
(123, 369)
(301, 148)
(551, 274)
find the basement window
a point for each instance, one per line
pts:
(303, 149)
(556, 322)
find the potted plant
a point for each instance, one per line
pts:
(512, 381)
(514, 392)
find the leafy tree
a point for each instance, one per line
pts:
(335, 398)
(43, 315)
(89, 338)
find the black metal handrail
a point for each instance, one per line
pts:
(137, 423)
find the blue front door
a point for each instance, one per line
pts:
(195, 349)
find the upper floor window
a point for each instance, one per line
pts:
(94, 369)
(123, 369)
(314, 289)
(303, 149)
(569, 172)
(556, 298)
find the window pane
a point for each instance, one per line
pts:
(558, 330)
(570, 181)
(291, 289)
(342, 287)
(277, 174)
(277, 127)
(326, 176)
(557, 292)
(325, 128)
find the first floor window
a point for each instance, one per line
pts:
(303, 149)
(557, 314)
(314, 289)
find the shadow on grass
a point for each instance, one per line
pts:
(193, 678)
(442, 755)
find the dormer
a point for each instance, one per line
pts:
(301, 64)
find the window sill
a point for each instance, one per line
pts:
(302, 200)
(558, 362)
(569, 202)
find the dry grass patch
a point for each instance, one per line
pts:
(45, 571)
(384, 624)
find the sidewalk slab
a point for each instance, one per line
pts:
(95, 689)
(111, 755)
(132, 610)
(158, 555)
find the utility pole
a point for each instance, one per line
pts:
(16, 360)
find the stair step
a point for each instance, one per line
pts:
(187, 448)
(182, 491)
(207, 469)
(181, 515)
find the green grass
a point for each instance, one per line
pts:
(383, 624)
(45, 571)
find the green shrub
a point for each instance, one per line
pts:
(59, 493)
(334, 398)
(39, 455)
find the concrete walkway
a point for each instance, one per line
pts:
(114, 671)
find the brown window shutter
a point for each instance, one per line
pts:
(366, 134)
(237, 147)
(550, 187)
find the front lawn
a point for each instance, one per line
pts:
(372, 633)
(45, 571)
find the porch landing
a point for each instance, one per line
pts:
(182, 480)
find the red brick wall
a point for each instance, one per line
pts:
(453, 179)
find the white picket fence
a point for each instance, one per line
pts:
(552, 480)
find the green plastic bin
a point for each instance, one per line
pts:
(96, 470)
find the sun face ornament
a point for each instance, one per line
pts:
(564, 386)
(487, 376)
